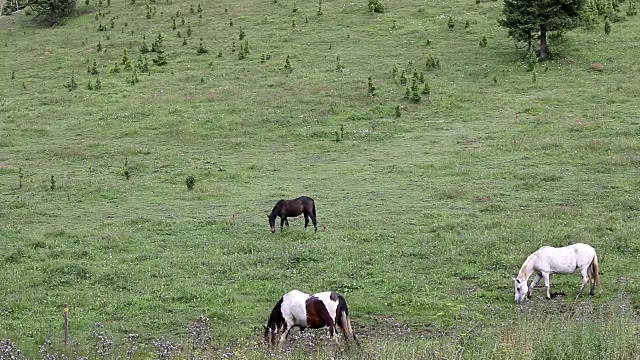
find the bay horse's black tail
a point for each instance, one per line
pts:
(315, 220)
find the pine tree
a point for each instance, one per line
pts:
(528, 20)
(372, 88)
(631, 8)
(201, 50)
(53, 10)
(415, 94)
(287, 65)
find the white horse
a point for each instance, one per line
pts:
(565, 260)
(315, 311)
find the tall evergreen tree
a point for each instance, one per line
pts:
(530, 20)
(53, 10)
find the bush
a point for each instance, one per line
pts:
(376, 6)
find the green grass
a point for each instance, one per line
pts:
(423, 219)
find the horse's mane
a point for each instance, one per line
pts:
(527, 267)
(276, 317)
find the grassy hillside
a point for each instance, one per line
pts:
(424, 218)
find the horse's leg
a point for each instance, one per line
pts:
(285, 332)
(306, 220)
(547, 284)
(315, 222)
(535, 282)
(282, 221)
(585, 280)
(286, 221)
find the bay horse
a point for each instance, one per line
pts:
(315, 311)
(291, 208)
(550, 260)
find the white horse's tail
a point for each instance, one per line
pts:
(595, 271)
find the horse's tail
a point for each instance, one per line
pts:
(595, 270)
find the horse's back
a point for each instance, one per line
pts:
(563, 259)
(580, 248)
(304, 199)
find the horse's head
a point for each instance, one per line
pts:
(272, 222)
(269, 335)
(521, 289)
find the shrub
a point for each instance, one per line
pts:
(372, 88)
(483, 41)
(432, 63)
(376, 6)
(191, 181)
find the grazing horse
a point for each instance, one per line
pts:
(565, 260)
(291, 208)
(315, 311)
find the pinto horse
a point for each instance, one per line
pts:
(314, 311)
(291, 208)
(565, 260)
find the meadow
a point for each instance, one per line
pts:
(426, 208)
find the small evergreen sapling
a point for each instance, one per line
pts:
(126, 62)
(415, 93)
(191, 181)
(319, 12)
(403, 78)
(71, 85)
(451, 24)
(483, 41)
(287, 65)
(397, 111)
(125, 170)
(144, 48)
(201, 50)
(339, 64)
(426, 90)
(93, 69)
(394, 72)
(607, 27)
(372, 88)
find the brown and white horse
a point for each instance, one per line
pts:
(314, 311)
